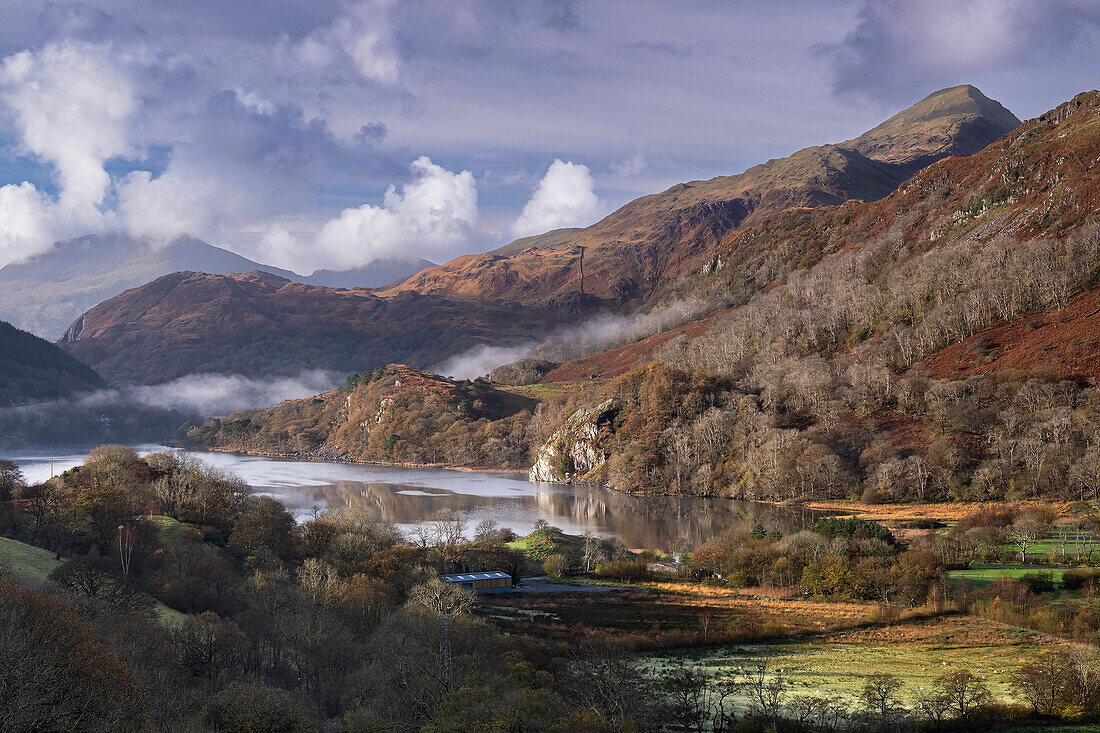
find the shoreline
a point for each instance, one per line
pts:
(351, 461)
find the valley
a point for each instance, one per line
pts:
(813, 447)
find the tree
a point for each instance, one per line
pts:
(55, 676)
(963, 692)
(692, 699)
(556, 565)
(11, 479)
(766, 688)
(1028, 529)
(613, 684)
(44, 503)
(208, 647)
(881, 700)
(1041, 682)
(264, 527)
(441, 598)
(593, 553)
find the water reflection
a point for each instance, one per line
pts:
(406, 496)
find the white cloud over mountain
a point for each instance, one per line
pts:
(434, 215)
(565, 197)
(292, 131)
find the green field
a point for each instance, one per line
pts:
(34, 562)
(841, 668)
(979, 574)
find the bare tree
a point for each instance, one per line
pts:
(1026, 531)
(881, 701)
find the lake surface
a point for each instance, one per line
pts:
(407, 496)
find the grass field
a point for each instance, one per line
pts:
(986, 574)
(918, 652)
(34, 562)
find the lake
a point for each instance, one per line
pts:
(407, 496)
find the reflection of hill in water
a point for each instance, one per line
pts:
(640, 521)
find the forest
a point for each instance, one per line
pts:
(158, 593)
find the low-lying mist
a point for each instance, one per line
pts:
(149, 413)
(598, 333)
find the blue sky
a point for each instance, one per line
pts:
(328, 134)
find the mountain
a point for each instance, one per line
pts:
(641, 250)
(375, 275)
(258, 324)
(45, 293)
(263, 325)
(940, 343)
(32, 369)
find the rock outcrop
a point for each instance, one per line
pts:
(575, 452)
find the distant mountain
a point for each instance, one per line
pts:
(375, 275)
(33, 369)
(47, 292)
(642, 249)
(258, 324)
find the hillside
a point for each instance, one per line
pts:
(645, 247)
(259, 325)
(32, 369)
(393, 414)
(176, 325)
(933, 345)
(47, 292)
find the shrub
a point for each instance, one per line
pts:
(1038, 582)
(253, 708)
(556, 565)
(1078, 578)
(849, 526)
(623, 570)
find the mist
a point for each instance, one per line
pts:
(205, 395)
(599, 333)
(150, 413)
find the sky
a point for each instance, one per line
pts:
(329, 134)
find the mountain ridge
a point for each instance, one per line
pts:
(261, 325)
(640, 250)
(45, 293)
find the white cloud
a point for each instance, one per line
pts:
(362, 33)
(23, 230)
(480, 360)
(165, 207)
(71, 104)
(900, 49)
(433, 216)
(564, 198)
(630, 167)
(220, 394)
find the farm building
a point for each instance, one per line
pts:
(493, 581)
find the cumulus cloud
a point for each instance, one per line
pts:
(564, 198)
(899, 48)
(247, 160)
(71, 103)
(23, 215)
(434, 215)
